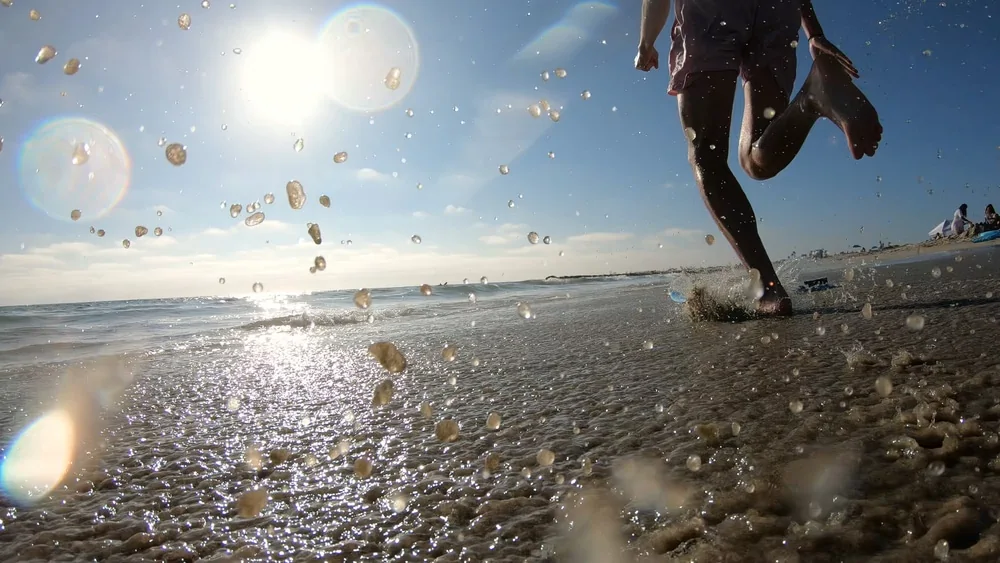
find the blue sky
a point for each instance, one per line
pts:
(618, 187)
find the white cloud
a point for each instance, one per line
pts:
(563, 39)
(494, 239)
(596, 238)
(497, 138)
(681, 232)
(48, 274)
(66, 249)
(268, 226)
(371, 175)
(454, 210)
(17, 88)
(421, 214)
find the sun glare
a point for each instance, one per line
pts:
(282, 78)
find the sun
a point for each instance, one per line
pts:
(283, 78)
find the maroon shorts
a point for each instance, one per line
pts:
(750, 36)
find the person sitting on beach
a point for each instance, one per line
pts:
(714, 43)
(992, 220)
(959, 220)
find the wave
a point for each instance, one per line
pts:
(310, 320)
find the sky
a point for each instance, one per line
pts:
(609, 182)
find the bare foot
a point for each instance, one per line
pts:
(832, 94)
(774, 303)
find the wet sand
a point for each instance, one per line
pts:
(671, 441)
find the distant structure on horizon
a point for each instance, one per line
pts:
(818, 253)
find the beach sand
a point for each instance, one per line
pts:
(627, 433)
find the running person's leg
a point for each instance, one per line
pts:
(773, 129)
(705, 105)
(705, 59)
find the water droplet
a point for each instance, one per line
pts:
(269, 198)
(941, 548)
(158, 231)
(710, 239)
(535, 110)
(936, 468)
(161, 141)
(866, 311)
(647, 345)
(176, 154)
(794, 44)
(255, 219)
(504, 169)
(324, 200)
(690, 133)
(126, 243)
(235, 210)
(75, 214)
(71, 67)
(523, 310)
(533, 237)
(409, 112)
(736, 428)
(795, 406)
(206, 4)
(693, 463)
(100, 233)
(677, 297)
(560, 72)
(915, 322)
(415, 239)
(426, 290)
(446, 430)
(545, 76)
(545, 457)
(363, 299)
(258, 287)
(392, 78)
(81, 154)
(363, 468)
(299, 145)
(769, 113)
(483, 280)
(936, 272)
(554, 115)
(585, 94)
(547, 240)
(296, 194)
(314, 233)
(237, 51)
(420, 186)
(883, 386)
(184, 21)
(45, 54)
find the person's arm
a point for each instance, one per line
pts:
(810, 23)
(654, 18)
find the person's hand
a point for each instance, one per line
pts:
(819, 45)
(647, 58)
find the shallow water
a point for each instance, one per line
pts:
(838, 480)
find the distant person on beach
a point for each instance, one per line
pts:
(960, 219)
(713, 43)
(992, 220)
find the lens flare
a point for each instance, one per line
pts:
(74, 163)
(362, 45)
(39, 458)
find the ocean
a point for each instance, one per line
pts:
(598, 423)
